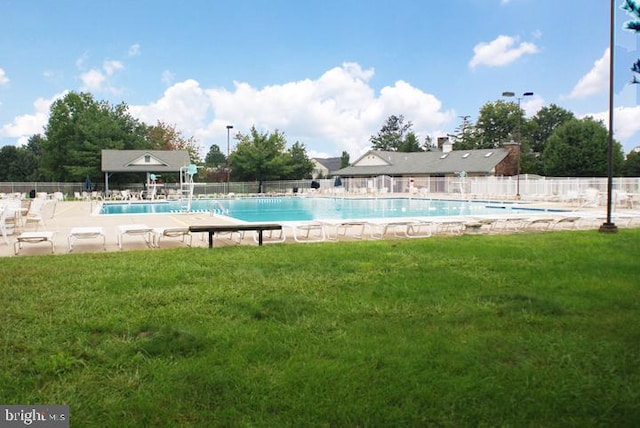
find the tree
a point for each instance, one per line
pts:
(163, 136)
(259, 156)
(633, 9)
(463, 137)
(391, 135)
(78, 129)
(545, 121)
(215, 157)
(631, 167)
(344, 160)
(410, 144)
(497, 123)
(299, 164)
(578, 148)
(536, 132)
(9, 159)
(21, 163)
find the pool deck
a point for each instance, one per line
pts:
(73, 214)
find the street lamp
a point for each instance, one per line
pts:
(519, 136)
(229, 128)
(609, 226)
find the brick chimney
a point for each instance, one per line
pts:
(509, 165)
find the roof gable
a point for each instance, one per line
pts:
(147, 160)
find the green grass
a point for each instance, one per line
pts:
(519, 330)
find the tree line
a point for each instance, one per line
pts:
(553, 143)
(80, 127)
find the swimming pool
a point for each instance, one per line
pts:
(308, 208)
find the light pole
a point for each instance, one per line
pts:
(609, 226)
(519, 136)
(229, 128)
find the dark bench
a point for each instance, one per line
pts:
(212, 229)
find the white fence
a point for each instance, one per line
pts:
(503, 188)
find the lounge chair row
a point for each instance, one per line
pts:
(150, 235)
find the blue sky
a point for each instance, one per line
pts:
(326, 73)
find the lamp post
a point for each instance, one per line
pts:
(609, 226)
(519, 136)
(229, 128)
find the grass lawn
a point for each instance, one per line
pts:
(518, 330)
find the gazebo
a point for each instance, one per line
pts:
(149, 161)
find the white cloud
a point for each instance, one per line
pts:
(134, 50)
(99, 80)
(110, 67)
(4, 79)
(92, 80)
(167, 77)
(26, 125)
(595, 81)
(501, 51)
(338, 111)
(626, 122)
(184, 104)
(335, 112)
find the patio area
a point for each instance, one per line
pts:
(74, 225)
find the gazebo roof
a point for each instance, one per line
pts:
(144, 160)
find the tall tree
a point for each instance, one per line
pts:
(497, 123)
(299, 164)
(410, 144)
(631, 167)
(259, 156)
(163, 136)
(391, 135)
(344, 160)
(78, 129)
(463, 136)
(215, 157)
(579, 148)
(545, 121)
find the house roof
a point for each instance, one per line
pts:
(376, 162)
(332, 164)
(144, 160)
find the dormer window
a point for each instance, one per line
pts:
(147, 158)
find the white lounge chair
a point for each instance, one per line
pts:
(400, 228)
(308, 232)
(570, 222)
(39, 210)
(34, 238)
(336, 228)
(539, 223)
(3, 223)
(134, 230)
(171, 232)
(86, 233)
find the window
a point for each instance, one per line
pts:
(466, 155)
(488, 154)
(147, 158)
(444, 155)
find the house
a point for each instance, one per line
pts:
(325, 167)
(149, 161)
(483, 162)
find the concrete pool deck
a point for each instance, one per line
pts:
(80, 214)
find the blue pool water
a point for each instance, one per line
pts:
(304, 209)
